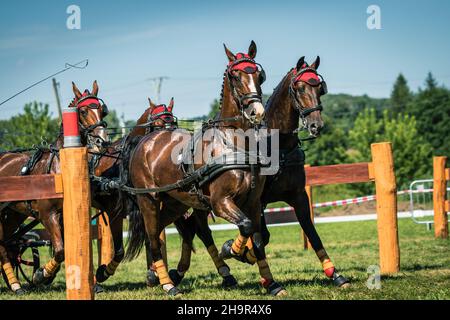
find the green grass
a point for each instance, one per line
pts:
(425, 268)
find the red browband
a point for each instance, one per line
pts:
(308, 76)
(245, 65)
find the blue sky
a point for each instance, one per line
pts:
(128, 42)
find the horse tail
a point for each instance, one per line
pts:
(136, 235)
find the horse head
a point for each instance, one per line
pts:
(306, 88)
(245, 79)
(91, 111)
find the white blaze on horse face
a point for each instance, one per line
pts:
(256, 107)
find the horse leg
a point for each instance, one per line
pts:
(150, 210)
(7, 268)
(302, 211)
(186, 229)
(106, 271)
(47, 274)
(248, 255)
(204, 233)
(226, 208)
(197, 224)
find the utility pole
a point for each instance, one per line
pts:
(58, 100)
(158, 81)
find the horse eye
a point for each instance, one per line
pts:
(83, 112)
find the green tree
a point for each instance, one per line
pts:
(31, 127)
(214, 108)
(329, 148)
(400, 95)
(431, 107)
(411, 152)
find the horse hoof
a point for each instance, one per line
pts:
(174, 292)
(225, 252)
(49, 280)
(340, 281)
(175, 277)
(275, 289)
(101, 274)
(152, 279)
(38, 277)
(20, 292)
(98, 288)
(229, 282)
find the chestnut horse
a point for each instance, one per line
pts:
(296, 98)
(233, 194)
(112, 164)
(91, 113)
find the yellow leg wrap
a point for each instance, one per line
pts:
(111, 267)
(185, 260)
(214, 254)
(50, 267)
(327, 264)
(239, 244)
(163, 275)
(9, 271)
(264, 270)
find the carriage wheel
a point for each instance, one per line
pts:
(26, 266)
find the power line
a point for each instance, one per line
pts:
(67, 67)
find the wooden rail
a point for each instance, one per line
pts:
(337, 174)
(34, 187)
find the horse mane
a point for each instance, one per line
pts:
(277, 88)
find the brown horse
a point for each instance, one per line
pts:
(91, 113)
(232, 194)
(118, 204)
(297, 97)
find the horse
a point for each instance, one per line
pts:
(233, 194)
(112, 164)
(297, 97)
(46, 161)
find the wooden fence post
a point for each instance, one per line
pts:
(105, 243)
(77, 224)
(386, 193)
(439, 197)
(308, 189)
(76, 208)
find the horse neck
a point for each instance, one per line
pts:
(230, 109)
(281, 113)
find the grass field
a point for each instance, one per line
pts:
(425, 268)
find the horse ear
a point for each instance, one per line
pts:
(75, 90)
(170, 107)
(252, 50)
(300, 63)
(229, 54)
(316, 63)
(151, 104)
(95, 88)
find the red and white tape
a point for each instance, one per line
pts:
(338, 203)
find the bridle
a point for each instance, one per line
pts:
(166, 116)
(303, 111)
(244, 101)
(87, 131)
